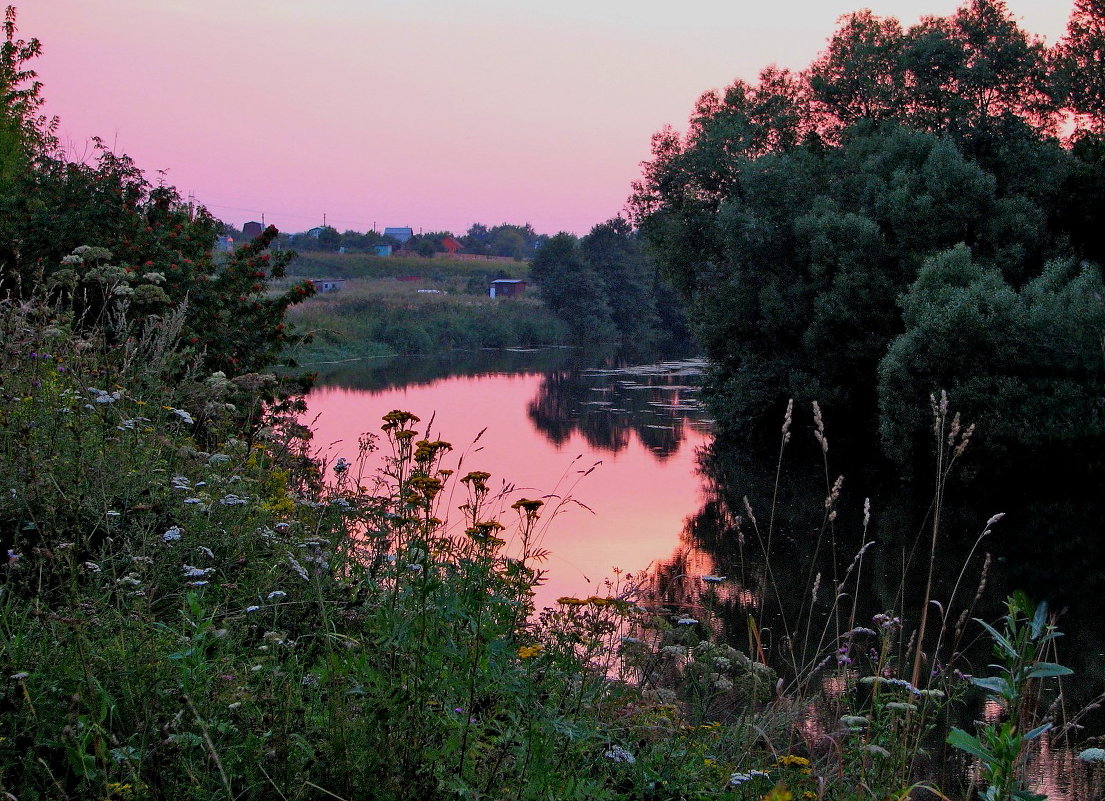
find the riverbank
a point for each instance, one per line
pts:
(386, 317)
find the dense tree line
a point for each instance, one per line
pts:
(918, 210)
(507, 240)
(606, 287)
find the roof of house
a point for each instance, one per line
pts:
(401, 234)
(508, 281)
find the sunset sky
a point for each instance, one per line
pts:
(429, 113)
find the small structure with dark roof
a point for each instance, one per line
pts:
(507, 288)
(400, 235)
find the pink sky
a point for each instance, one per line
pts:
(429, 113)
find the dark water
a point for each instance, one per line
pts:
(627, 453)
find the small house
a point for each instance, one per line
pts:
(451, 245)
(382, 250)
(251, 230)
(400, 235)
(507, 288)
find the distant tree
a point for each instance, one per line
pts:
(329, 238)
(572, 290)
(508, 241)
(613, 251)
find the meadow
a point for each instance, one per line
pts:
(442, 305)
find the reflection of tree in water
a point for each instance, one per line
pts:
(657, 402)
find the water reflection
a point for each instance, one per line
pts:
(657, 402)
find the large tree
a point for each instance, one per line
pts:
(795, 214)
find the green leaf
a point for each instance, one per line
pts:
(998, 638)
(1036, 732)
(1046, 670)
(957, 738)
(995, 684)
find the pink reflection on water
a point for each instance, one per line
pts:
(637, 503)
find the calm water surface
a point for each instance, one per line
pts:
(628, 448)
(547, 420)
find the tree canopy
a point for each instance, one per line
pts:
(855, 232)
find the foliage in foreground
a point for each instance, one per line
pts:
(187, 611)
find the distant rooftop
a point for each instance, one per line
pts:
(399, 234)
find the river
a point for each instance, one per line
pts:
(622, 454)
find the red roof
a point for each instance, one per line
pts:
(450, 244)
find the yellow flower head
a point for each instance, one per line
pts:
(528, 651)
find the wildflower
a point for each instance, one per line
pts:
(341, 465)
(193, 501)
(275, 594)
(235, 705)
(738, 779)
(310, 680)
(528, 506)
(197, 572)
(528, 651)
(203, 549)
(1089, 754)
(92, 567)
(860, 630)
(233, 500)
(183, 415)
(172, 534)
(722, 683)
(877, 750)
(251, 609)
(618, 754)
(791, 759)
(630, 640)
(180, 482)
(20, 675)
(13, 556)
(901, 706)
(713, 579)
(686, 621)
(196, 584)
(112, 514)
(854, 722)
(298, 568)
(885, 621)
(218, 458)
(673, 650)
